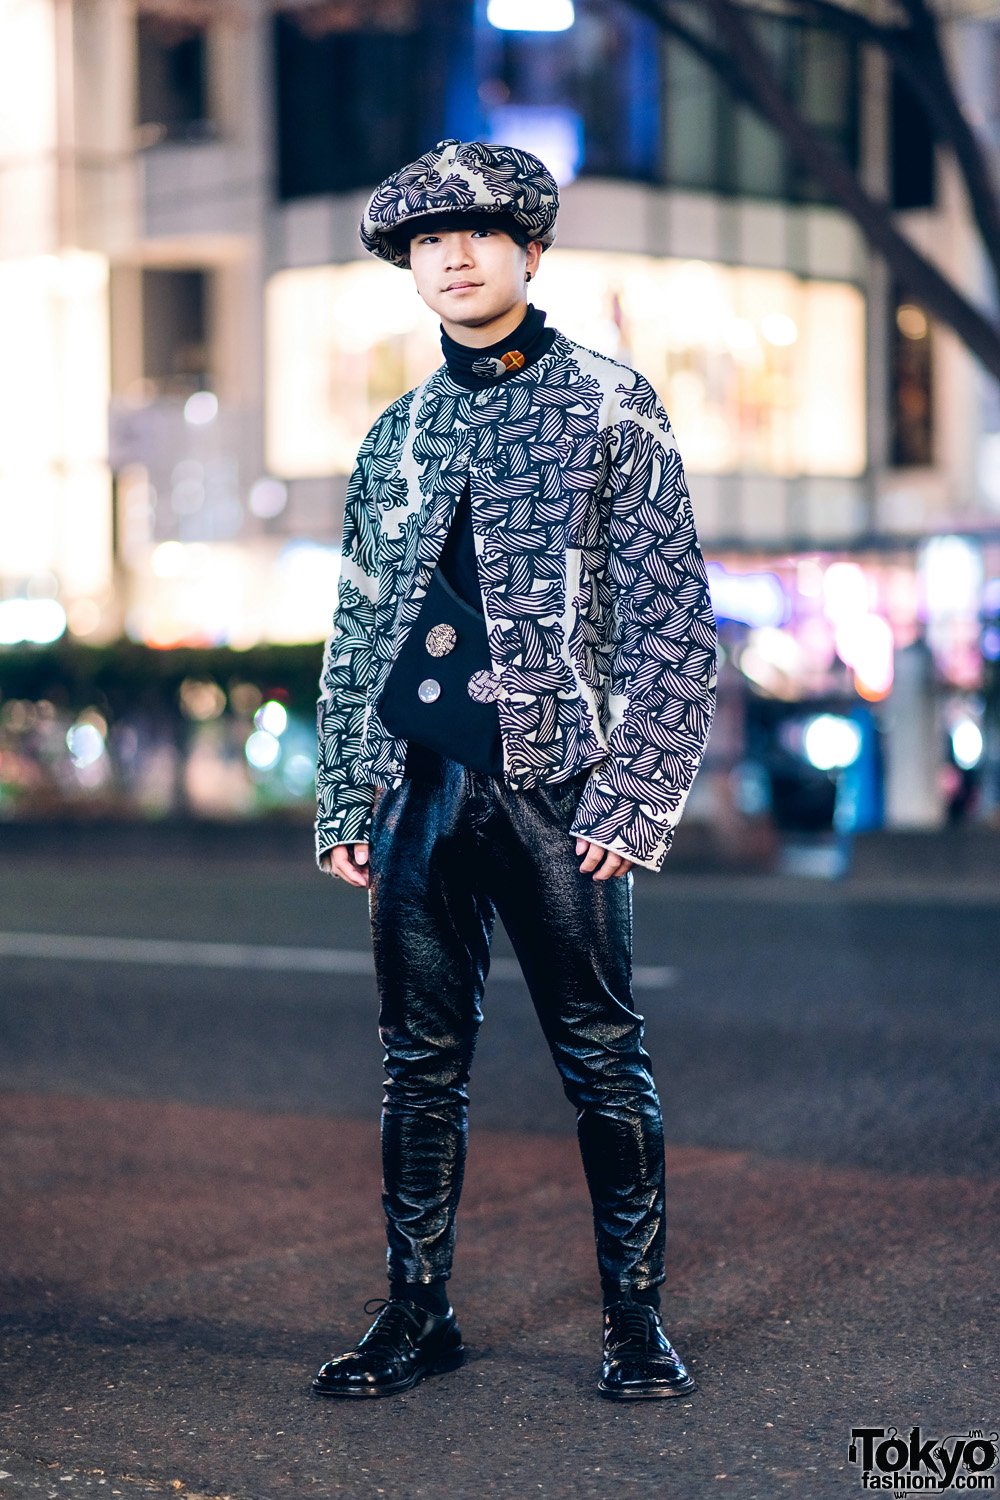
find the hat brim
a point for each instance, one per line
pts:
(430, 221)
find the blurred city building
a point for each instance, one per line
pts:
(195, 344)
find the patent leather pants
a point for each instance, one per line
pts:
(449, 849)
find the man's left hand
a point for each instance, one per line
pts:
(604, 862)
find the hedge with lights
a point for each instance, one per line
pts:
(124, 675)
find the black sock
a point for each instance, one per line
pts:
(432, 1296)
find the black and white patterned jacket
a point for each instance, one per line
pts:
(601, 631)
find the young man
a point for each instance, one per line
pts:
(515, 698)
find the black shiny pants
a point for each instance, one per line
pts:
(449, 849)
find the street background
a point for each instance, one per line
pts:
(786, 217)
(192, 1222)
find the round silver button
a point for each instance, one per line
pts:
(428, 690)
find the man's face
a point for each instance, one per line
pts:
(471, 276)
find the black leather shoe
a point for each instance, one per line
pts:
(404, 1344)
(640, 1362)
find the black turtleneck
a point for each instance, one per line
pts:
(477, 368)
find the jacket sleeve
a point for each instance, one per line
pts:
(663, 659)
(344, 800)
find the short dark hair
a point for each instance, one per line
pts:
(470, 218)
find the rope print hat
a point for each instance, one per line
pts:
(462, 176)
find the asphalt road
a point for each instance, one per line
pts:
(189, 1190)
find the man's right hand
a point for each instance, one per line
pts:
(349, 861)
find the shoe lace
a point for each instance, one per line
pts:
(632, 1321)
(394, 1317)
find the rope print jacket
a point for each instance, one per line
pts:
(601, 631)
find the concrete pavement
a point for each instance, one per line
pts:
(177, 1272)
(190, 1222)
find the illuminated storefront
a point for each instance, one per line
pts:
(760, 370)
(861, 661)
(55, 484)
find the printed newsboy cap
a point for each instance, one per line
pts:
(458, 177)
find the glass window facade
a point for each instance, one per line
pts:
(715, 143)
(601, 79)
(172, 90)
(911, 407)
(175, 329)
(610, 97)
(911, 149)
(55, 510)
(353, 105)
